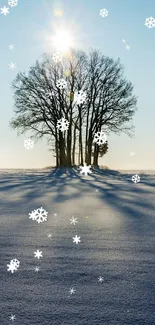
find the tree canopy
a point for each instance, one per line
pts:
(88, 91)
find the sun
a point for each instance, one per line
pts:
(62, 41)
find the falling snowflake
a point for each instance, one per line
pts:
(100, 138)
(4, 11)
(80, 97)
(76, 239)
(127, 47)
(132, 153)
(12, 66)
(12, 3)
(100, 279)
(150, 22)
(38, 254)
(62, 124)
(12, 317)
(39, 215)
(11, 47)
(61, 84)
(104, 12)
(49, 235)
(85, 169)
(57, 57)
(136, 178)
(37, 269)
(123, 40)
(72, 291)
(13, 266)
(28, 144)
(73, 221)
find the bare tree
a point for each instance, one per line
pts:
(40, 103)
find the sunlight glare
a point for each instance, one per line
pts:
(62, 41)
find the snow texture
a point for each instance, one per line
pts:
(117, 243)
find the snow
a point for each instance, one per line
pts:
(116, 225)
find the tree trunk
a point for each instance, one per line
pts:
(63, 160)
(96, 154)
(89, 155)
(80, 137)
(74, 147)
(57, 149)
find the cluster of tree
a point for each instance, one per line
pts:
(39, 104)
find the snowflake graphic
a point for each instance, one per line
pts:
(12, 317)
(127, 47)
(12, 66)
(100, 279)
(37, 269)
(29, 144)
(85, 169)
(80, 97)
(136, 178)
(104, 12)
(57, 57)
(100, 138)
(73, 221)
(11, 47)
(12, 3)
(132, 153)
(38, 254)
(39, 215)
(72, 291)
(4, 11)
(150, 22)
(76, 239)
(62, 124)
(61, 84)
(13, 266)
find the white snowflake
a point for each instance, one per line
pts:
(12, 3)
(13, 266)
(15, 262)
(76, 239)
(12, 66)
(104, 12)
(150, 22)
(73, 221)
(62, 124)
(12, 317)
(32, 215)
(37, 269)
(72, 291)
(39, 215)
(61, 84)
(57, 57)
(132, 153)
(11, 47)
(80, 97)
(38, 254)
(136, 178)
(85, 169)
(127, 47)
(49, 235)
(100, 138)
(100, 279)
(123, 40)
(29, 144)
(4, 11)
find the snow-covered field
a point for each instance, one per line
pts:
(116, 226)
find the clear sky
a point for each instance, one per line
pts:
(26, 26)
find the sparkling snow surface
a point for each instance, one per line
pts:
(116, 226)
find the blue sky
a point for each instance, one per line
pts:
(25, 27)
